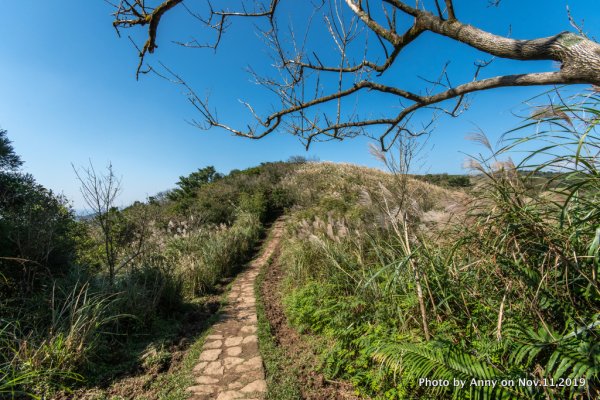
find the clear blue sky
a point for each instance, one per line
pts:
(69, 94)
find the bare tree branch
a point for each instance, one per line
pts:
(325, 114)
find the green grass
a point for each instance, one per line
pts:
(282, 381)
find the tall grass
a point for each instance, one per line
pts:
(40, 359)
(207, 256)
(509, 289)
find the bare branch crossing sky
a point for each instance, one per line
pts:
(69, 93)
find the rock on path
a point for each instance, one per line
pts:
(230, 365)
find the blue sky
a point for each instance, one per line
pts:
(69, 92)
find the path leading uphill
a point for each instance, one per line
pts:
(230, 366)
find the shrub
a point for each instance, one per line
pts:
(36, 231)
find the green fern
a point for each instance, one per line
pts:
(573, 354)
(440, 361)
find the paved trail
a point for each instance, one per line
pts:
(230, 366)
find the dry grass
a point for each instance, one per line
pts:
(313, 181)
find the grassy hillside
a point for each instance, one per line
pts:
(418, 291)
(408, 287)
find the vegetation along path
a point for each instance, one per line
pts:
(230, 365)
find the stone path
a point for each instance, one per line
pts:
(230, 366)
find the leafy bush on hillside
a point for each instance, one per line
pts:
(36, 232)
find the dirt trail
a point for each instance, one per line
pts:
(304, 362)
(230, 365)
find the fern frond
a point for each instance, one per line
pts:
(440, 361)
(574, 354)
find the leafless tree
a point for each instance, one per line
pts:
(99, 192)
(124, 234)
(315, 93)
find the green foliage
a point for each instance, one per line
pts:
(441, 361)
(41, 358)
(216, 201)
(37, 233)
(9, 161)
(255, 203)
(189, 185)
(148, 291)
(573, 355)
(39, 350)
(445, 180)
(109, 309)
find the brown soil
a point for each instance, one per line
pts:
(313, 385)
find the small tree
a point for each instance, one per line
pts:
(36, 226)
(124, 232)
(189, 185)
(99, 192)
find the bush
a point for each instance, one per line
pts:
(37, 232)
